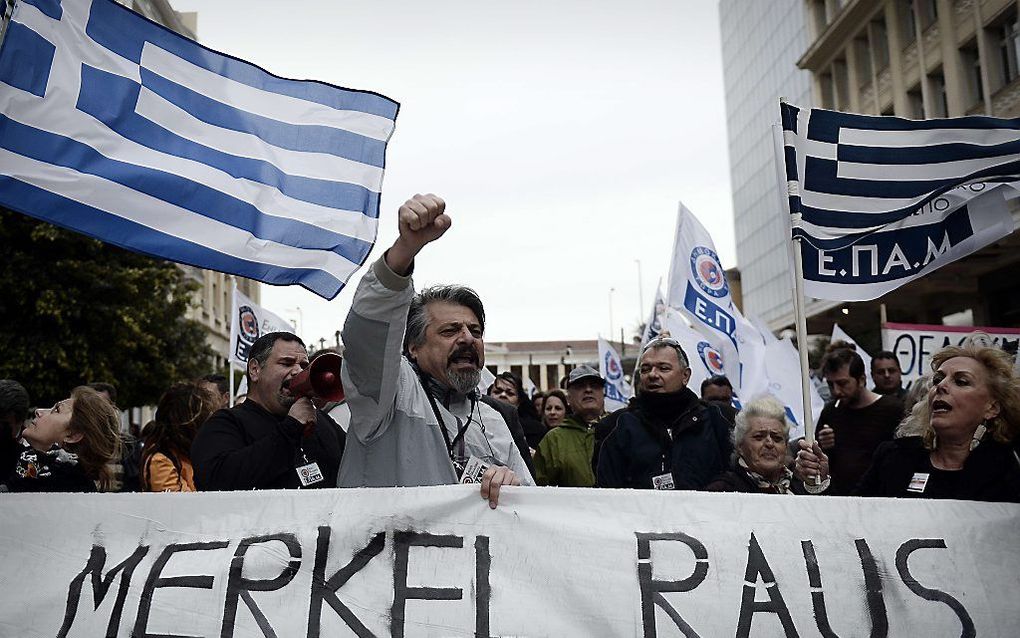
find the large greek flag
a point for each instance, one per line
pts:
(879, 201)
(118, 128)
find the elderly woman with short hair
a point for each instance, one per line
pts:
(761, 452)
(957, 442)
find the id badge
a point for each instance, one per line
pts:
(663, 481)
(309, 474)
(918, 482)
(473, 470)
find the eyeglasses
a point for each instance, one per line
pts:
(661, 342)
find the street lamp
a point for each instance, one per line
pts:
(640, 292)
(611, 291)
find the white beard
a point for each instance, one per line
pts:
(463, 382)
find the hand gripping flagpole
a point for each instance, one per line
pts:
(800, 316)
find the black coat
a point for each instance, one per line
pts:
(736, 479)
(246, 447)
(513, 423)
(990, 473)
(36, 471)
(694, 446)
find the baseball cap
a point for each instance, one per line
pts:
(583, 372)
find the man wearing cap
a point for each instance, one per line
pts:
(666, 438)
(563, 458)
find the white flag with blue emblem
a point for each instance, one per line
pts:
(698, 288)
(115, 127)
(618, 391)
(879, 201)
(248, 322)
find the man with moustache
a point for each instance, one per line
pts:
(412, 363)
(273, 440)
(563, 458)
(666, 438)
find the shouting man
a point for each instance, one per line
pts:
(412, 365)
(273, 440)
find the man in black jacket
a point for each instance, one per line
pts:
(273, 440)
(666, 438)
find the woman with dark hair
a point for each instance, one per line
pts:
(67, 447)
(554, 410)
(166, 458)
(507, 388)
(957, 442)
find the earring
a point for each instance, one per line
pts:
(979, 433)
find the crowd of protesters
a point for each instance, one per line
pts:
(414, 415)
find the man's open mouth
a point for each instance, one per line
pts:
(464, 357)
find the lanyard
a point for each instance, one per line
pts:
(461, 430)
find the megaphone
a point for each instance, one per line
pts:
(320, 380)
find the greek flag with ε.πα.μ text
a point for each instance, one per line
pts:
(118, 128)
(879, 201)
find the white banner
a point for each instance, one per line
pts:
(248, 322)
(547, 562)
(915, 343)
(618, 391)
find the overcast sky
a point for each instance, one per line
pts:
(561, 134)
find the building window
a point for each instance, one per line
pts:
(915, 104)
(818, 17)
(842, 84)
(971, 63)
(908, 27)
(552, 376)
(879, 39)
(832, 9)
(863, 55)
(927, 13)
(1007, 35)
(939, 106)
(535, 373)
(825, 89)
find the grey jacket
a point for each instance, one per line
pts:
(394, 437)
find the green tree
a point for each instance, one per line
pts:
(75, 310)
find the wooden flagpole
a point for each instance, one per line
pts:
(802, 346)
(800, 316)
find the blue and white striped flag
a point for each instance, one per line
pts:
(880, 201)
(115, 127)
